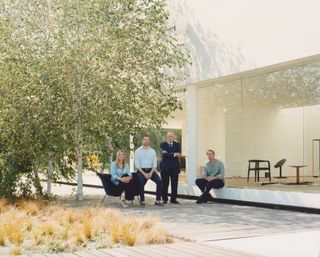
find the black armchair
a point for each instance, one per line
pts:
(111, 190)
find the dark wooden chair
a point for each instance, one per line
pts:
(255, 165)
(111, 190)
(279, 165)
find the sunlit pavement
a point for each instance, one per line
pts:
(260, 231)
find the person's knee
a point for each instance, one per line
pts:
(140, 179)
(158, 183)
(198, 181)
(217, 184)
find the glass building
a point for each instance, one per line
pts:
(269, 113)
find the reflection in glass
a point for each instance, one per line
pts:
(269, 116)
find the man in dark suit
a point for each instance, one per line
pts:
(170, 167)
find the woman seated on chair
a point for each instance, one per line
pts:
(121, 175)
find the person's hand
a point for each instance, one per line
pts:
(178, 155)
(126, 179)
(211, 178)
(147, 176)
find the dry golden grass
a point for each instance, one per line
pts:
(3, 205)
(64, 233)
(71, 217)
(2, 238)
(51, 228)
(128, 235)
(87, 228)
(14, 232)
(16, 250)
(38, 239)
(79, 238)
(47, 229)
(115, 232)
(28, 224)
(30, 207)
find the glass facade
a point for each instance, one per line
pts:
(268, 116)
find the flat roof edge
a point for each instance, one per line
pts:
(255, 72)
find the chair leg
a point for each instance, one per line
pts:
(269, 175)
(102, 200)
(248, 173)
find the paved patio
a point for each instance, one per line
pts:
(214, 229)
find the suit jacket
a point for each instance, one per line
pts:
(169, 163)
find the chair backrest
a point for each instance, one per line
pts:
(107, 184)
(280, 163)
(258, 162)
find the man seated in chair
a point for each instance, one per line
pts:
(145, 160)
(213, 177)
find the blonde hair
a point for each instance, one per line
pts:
(117, 158)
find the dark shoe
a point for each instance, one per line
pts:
(165, 201)
(209, 198)
(158, 203)
(142, 204)
(199, 201)
(174, 201)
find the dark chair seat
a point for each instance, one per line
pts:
(255, 165)
(108, 186)
(111, 189)
(279, 165)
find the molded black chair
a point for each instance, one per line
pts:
(111, 189)
(108, 186)
(256, 168)
(279, 165)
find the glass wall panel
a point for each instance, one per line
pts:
(268, 116)
(219, 124)
(281, 116)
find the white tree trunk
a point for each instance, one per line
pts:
(131, 153)
(49, 183)
(79, 174)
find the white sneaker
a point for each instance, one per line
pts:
(123, 203)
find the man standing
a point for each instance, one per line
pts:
(213, 177)
(145, 160)
(170, 167)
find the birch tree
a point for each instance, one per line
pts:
(86, 70)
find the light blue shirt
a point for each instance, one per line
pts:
(117, 172)
(214, 169)
(145, 158)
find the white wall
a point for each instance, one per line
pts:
(230, 36)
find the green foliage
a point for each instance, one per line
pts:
(78, 77)
(156, 137)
